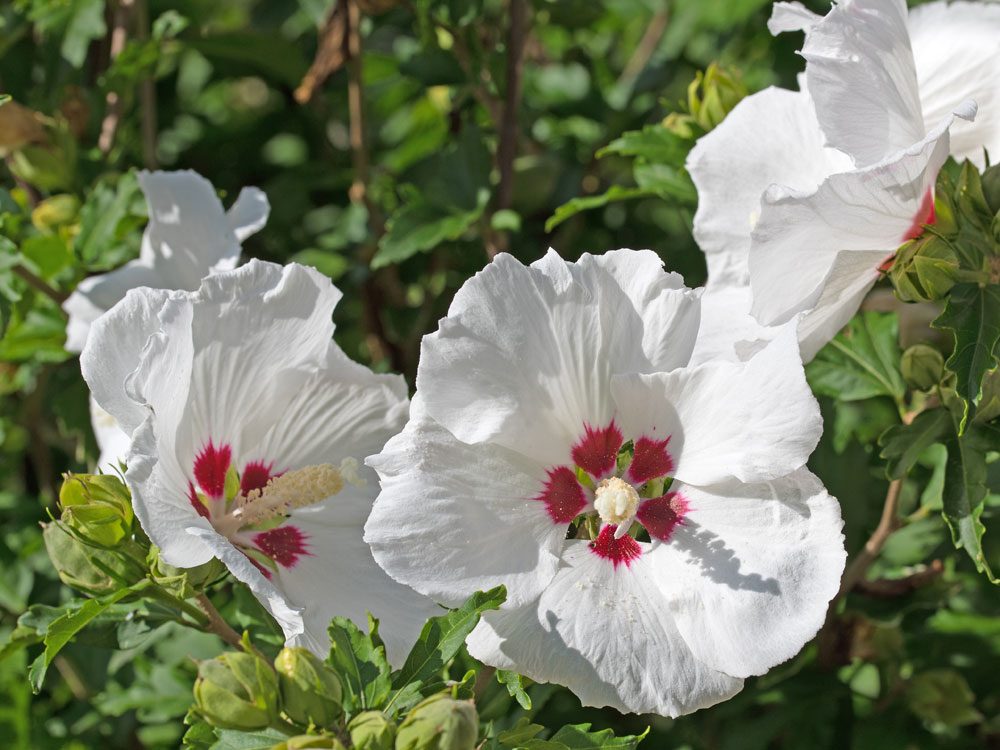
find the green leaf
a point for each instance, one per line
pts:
(234, 739)
(85, 24)
(63, 629)
(614, 194)
(361, 665)
(440, 640)
(269, 54)
(654, 143)
(515, 686)
(972, 314)
(420, 226)
(903, 444)
(520, 734)
(863, 361)
(48, 254)
(965, 490)
(105, 219)
(579, 737)
(667, 181)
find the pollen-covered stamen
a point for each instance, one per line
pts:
(616, 502)
(293, 489)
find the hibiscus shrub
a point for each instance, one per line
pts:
(307, 442)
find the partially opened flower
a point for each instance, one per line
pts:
(652, 520)
(188, 237)
(247, 425)
(789, 223)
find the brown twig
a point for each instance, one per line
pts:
(113, 104)
(147, 93)
(40, 285)
(222, 628)
(330, 54)
(888, 588)
(507, 148)
(645, 49)
(887, 524)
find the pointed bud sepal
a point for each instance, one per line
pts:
(91, 569)
(310, 691)
(184, 583)
(922, 367)
(237, 690)
(372, 730)
(97, 507)
(440, 723)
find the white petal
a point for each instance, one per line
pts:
(752, 569)
(861, 75)
(96, 295)
(454, 518)
(771, 137)
(339, 577)
(114, 349)
(800, 234)
(607, 634)
(791, 17)
(754, 421)
(728, 332)
(113, 441)
(956, 48)
(249, 213)
(524, 357)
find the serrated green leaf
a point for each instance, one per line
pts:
(861, 362)
(64, 628)
(515, 686)
(420, 226)
(972, 314)
(903, 444)
(200, 735)
(965, 490)
(104, 221)
(654, 143)
(579, 737)
(521, 733)
(440, 640)
(234, 739)
(361, 665)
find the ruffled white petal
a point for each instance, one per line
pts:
(956, 49)
(861, 75)
(728, 332)
(753, 421)
(750, 571)
(792, 16)
(188, 236)
(339, 577)
(607, 634)
(525, 355)
(114, 349)
(454, 518)
(771, 137)
(112, 440)
(800, 234)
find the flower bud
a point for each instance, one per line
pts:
(440, 723)
(924, 269)
(237, 691)
(93, 570)
(55, 212)
(97, 507)
(184, 582)
(713, 94)
(371, 730)
(310, 742)
(310, 690)
(922, 366)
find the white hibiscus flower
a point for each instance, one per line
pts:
(652, 520)
(188, 237)
(805, 196)
(247, 422)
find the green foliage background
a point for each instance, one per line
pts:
(209, 85)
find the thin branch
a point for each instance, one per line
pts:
(40, 285)
(645, 49)
(147, 93)
(222, 628)
(887, 588)
(887, 524)
(113, 104)
(507, 147)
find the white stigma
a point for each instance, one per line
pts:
(616, 501)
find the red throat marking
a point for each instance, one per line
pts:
(563, 496)
(284, 544)
(618, 551)
(597, 451)
(210, 467)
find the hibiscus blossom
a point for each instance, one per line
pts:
(652, 519)
(188, 237)
(805, 196)
(247, 423)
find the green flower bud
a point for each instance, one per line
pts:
(97, 507)
(237, 691)
(371, 730)
(310, 690)
(93, 570)
(922, 366)
(184, 582)
(713, 94)
(682, 125)
(310, 742)
(924, 269)
(55, 212)
(440, 723)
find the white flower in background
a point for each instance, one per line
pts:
(188, 237)
(560, 398)
(247, 426)
(804, 196)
